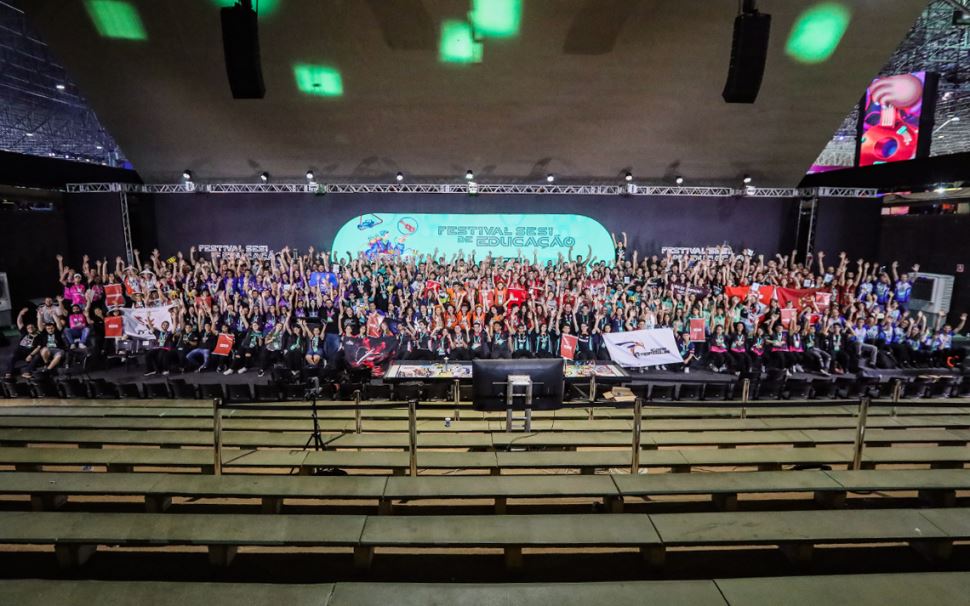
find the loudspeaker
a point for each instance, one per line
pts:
(240, 42)
(749, 49)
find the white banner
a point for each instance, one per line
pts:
(136, 320)
(639, 348)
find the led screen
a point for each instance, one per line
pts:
(890, 120)
(412, 234)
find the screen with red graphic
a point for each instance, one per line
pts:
(892, 118)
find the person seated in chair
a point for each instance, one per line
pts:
(249, 347)
(29, 345)
(53, 348)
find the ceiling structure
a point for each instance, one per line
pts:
(586, 89)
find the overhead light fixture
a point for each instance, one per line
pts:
(98, 147)
(30, 134)
(940, 189)
(628, 176)
(679, 180)
(472, 188)
(309, 175)
(60, 87)
(400, 177)
(264, 177)
(469, 175)
(746, 179)
(550, 177)
(187, 175)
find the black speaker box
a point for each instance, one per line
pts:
(749, 49)
(240, 42)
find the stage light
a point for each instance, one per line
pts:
(30, 134)
(469, 175)
(309, 175)
(628, 176)
(940, 189)
(400, 177)
(817, 32)
(550, 177)
(264, 177)
(496, 18)
(679, 180)
(318, 80)
(60, 87)
(116, 19)
(746, 179)
(457, 43)
(98, 147)
(187, 175)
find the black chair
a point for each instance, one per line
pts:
(439, 391)
(662, 393)
(842, 386)
(346, 391)
(295, 391)
(128, 390)
(14, 389)
(377, 391)
(798, 389)
(943, 388)
(823, 389)
(267, 393)
(768, 390)
(73, 388)
(102, 390)
(44, 387)
(157, 391)
(917, 388)
(239, 392)
(690, 391)
(716, 391)
(183, 390)
(408, 391)
(862, 387)
(208, 391)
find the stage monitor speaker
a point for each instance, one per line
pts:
(240, 42)
(749, 50)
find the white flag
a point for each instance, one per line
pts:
(136, 320)
(639, 348)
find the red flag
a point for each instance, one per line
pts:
(823, 300)
(567, 346)
(432, 286)
(374, 324)
(765, 293)
(114, 327)
(741, 292)
(113, 295)
(697, 329)
(788, 316)
(516, 296)
(223, 345)
(798, 297)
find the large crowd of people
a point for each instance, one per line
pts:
(301, 309)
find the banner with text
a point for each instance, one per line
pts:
(544, 237)
(640, 348)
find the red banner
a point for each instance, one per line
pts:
(113, 295)
(516, 296)
(823, 300)
(697, 329)
(788, 316)
(765, 293)
(114, 327)
(797, 297)
(567, 346)
(223, 345)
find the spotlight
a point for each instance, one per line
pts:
(187, 175)
(469, 175)
(679, 180)
(30, 134)
(550, 177)
(628, 176)
(940, 189)
(309, 175)
(60, 87)
(264, 177)
(746, 179)
(99, 147)
(400, 177)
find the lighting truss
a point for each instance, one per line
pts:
(35, 117)
(464, 188)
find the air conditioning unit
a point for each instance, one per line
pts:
(932, 293)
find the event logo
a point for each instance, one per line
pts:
(407, 226)
(638, 349)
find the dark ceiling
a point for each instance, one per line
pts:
(588, 89)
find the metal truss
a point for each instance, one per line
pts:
(469, 189)
(36, 116)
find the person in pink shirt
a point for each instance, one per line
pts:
(76, 333)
